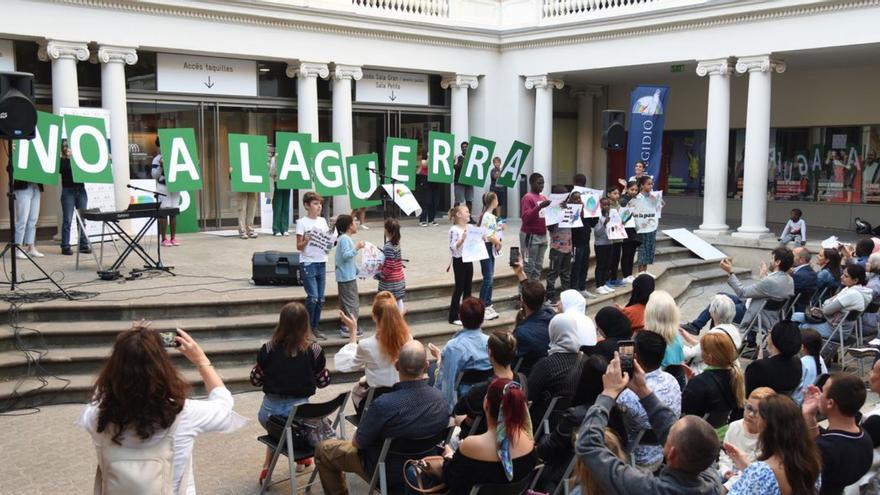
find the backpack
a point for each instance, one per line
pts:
(138, 470)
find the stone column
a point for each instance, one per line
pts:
(543, 144)
(65, 93)
(459, 84)
(754, 202)
(717, 141)
(585, 144)
(342, 77)
(307, 74)
(113, 60)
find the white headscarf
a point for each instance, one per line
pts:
(564, 335)
(573, 303)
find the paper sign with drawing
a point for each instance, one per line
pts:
(474, 249)
(369, 261)
(320, 243)
(615, 229)
(590, 199)
(571, 216)
(646, 211)
(553, 213)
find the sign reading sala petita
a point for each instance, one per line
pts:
(205, 75)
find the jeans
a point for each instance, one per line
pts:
(823, 328)
(314, 276)
(579, 267)
(280, 211)
(428, 198)
(72, 198)
(274, 404)
(464, 275)
(532, 248)
(704, 317)
(27, 210)
(487, 266)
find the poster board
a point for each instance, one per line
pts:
(696, 244)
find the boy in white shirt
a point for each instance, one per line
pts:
(795, 230)
(312, 262)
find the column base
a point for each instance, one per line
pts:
(712, 231)
(754, 233)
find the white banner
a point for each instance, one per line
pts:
(7, 56)
(403, 198)
(392, 88)
(205, 75)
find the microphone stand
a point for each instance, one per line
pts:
(156, 195)
(386, 197)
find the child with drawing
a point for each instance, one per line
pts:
(346, 270)
(560, 248)
(312, 243)
(646, 210)
(613, 196)
(391, 277)
(463, 272)
(492, 235)
(629, 246)
(603, 246)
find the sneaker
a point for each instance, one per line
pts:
(343, 332)
(864, 352)
(490, 314)
(285, 233)
(20, 255)
(252, 235)
(458, 322)
(67, 251)
(616, 283)
(609, 288)
(36, 254)
(242, 236)
(423, 224)
(167, 243)
(434, 223)
(588, 294)
(174, 242)
(604, 290)
(364, 226)
(277, 234)
(628, 280)
(320, 335)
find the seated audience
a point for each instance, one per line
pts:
(695, 327)
(139, 395)
(573, 303)
(690, 445)
(662, 317)
(504, 453)
(782, 370)
(847, 450)
(502, 352)
(551, 376)
(377, 353)
(649, 350)
(812, 363)
(775, 285)
(465, 351)
(805, 279)
(723, 311)
(828, 279)
(853, 297)
(412, 409)
(719, 389)
(788, 463)
(289, 369)
(532, 323)
(613, 327)
(743, 434)
(870, 482)
(642, 288)
(870, 321)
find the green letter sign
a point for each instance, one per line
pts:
(477, 162)
(291, 160)
(37, 159)
(327, 166)
(513, 164)
(362, 179)
(181, 159)
(249, 160)
(89, 152)
(400, 161)
(440, 157)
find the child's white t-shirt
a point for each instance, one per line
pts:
(305, 225)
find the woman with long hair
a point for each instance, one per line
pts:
(375, 354)
(662, 316)
(642, 288)
(290, 368)
(587, 484)
(140, 397)
(828, 278)
(720, 388)
(789, 462)
(505, 453)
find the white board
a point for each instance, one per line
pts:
(7, 56)
(205, 75)
(696, 244)
(392, 88)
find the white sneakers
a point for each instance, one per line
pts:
(629, 280)
(589, 295)
(457, 322)
(490, 314)
(605, 290)
(36, 254)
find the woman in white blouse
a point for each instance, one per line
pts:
(139, 394)
(375, 354)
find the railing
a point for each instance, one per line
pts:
(430, 8)
(562, 8)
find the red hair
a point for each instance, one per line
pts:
(513, 404)
(392, 332)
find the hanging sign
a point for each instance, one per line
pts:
(205, 75)
(249, 161)
(393, 88)
(477, 162)
(362, 179)
(513, 164)
(645, 137)
(37, 160)
(181, 159)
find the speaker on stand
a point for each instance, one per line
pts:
(613, 129)
(18, 120)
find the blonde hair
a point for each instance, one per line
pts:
(584, 477)
(392, 332)
(718, 350)
(454, 211)
(662, 315)
(762, 393)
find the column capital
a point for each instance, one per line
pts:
(760, 63)
(308, 69)
(715, 67)
(353, 72)
(56, 49)
(108, 54)
(592, 91)
(543, 82)
(460, 81)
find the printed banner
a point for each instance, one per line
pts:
(249, 161)
(477, 162)
(513, 164)
(37, 160)
(474, 248)
(362, 180)
(645, 137)
(291, 160)
(327, 167)
(440, 157)
(404, 198)
(181, 160)
(401, 162)
(89, 149)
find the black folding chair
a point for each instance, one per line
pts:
(768, 307)
(372, 394)
(564, 487)
(677, 372)
(284, 446)
(513, 488)
(404, 449)
(556, 405)
(471, 377)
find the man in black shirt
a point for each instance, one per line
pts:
(847, 450)
(73, 197)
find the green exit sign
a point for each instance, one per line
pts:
(676, 68)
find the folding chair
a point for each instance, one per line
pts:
(404, 449)
(556, 404)
(768, 307)
(872, 308)
(103, 237)
(792, 302)
(513, 488)
(632, 445)
(372, 394)
(471, 377)
(563, 487)
(848, 317)
(517, 364)
(284, 446)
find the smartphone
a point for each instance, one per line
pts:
(626, 351)
(168, 338)
(514, 255)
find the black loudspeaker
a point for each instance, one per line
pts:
(18, 116)
(276, 268)
(613, 130)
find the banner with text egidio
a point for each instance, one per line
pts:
(645, 139)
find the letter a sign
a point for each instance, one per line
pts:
(249, 160)
(181, 159)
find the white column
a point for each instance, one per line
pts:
(342, 77)
(543, 143)
(586, 98)
(459, 84)
(113, 60)
(754, 209)
(307, 74)
(717, 141)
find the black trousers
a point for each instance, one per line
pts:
(464, 275)
(628, 253)
(604, 256)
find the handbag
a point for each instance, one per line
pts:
(425, 475)
(257, 376)
(814, 315)
(307, 433)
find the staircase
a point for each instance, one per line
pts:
(72, 343)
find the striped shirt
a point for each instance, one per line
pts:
(392, 268)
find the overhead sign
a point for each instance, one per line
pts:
(396, 88)
(205, 75)
(7, 56)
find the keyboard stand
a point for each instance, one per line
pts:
(133, 246)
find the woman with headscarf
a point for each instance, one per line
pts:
(573, 303)
(642, 288)
(613, 326)
(782, 370)
(551, 376)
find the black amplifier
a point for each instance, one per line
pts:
(276, 268)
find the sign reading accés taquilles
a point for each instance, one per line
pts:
(205, 75)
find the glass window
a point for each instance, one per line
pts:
(683, 159)
(273, 80)
(26, 60)
(142, 75)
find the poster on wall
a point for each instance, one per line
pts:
(871, 167)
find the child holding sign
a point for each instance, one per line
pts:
(460, 216)
(646, 209)
(391, 277)
(492, 235)
(313, 258)
(346, 270)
